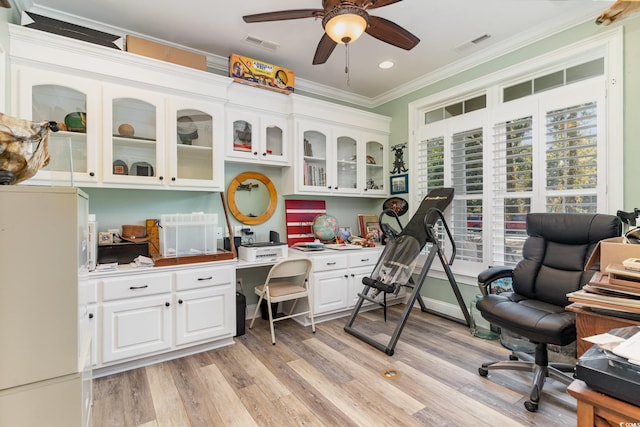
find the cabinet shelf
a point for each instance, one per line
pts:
(314, 159)
(133, 142)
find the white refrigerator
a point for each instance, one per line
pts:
(45, 331)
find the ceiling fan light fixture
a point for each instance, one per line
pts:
(345, 24)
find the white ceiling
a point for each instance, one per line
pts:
(445, 27)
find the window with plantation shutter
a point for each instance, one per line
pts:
(512, 177)
(543, 152)
(572, 158)
(430, 155)
(467, 181)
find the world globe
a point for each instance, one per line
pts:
(325, 227)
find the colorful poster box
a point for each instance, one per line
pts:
(261, 74)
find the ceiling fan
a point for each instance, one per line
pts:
(344, 21)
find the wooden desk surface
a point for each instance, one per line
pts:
(590, 323)
(597, 409)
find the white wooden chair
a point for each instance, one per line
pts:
(287, 280)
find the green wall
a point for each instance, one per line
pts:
(398, 110)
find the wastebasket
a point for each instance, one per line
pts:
(264, 310)
(241, 309)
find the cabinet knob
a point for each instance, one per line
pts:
(180, 301)
(365, 189)
(264, 154)
(329, 187)
(92, 174)
(346, 276)
(255, 153)
(167, 304)
(335, 188)
(173, 178)
(161, 178)
(90, 315)
(353, 275)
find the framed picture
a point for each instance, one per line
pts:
(399, 184)
(366, 221)
(373, 232)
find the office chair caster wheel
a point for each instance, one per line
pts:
(483, 372)
(531, 406)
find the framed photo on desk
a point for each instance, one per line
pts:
(366, 221)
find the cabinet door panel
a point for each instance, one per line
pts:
(330, 291)
(136, 327)
(203, 314)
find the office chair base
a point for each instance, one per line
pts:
(540, 373)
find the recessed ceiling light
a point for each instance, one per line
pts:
(385, 65)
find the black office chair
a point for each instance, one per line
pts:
(554, 256)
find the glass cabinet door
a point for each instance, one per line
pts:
(243, 138)
(315, 152)
(194, 144)
(73, 104)
(134, 141)
(347, 164)
(376, 177)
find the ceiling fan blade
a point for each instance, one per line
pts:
(324, 49)
(392, 33)
(372, 4)
(283, 15)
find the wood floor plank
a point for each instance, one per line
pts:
(353, 404)
(168, 405)
(373, 378)
(226, 401)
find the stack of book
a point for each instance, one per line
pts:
(616, 289)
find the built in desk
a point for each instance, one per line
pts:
(597, 409)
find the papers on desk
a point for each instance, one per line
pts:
(111, 266)
(603, 292)
(629, 349)
(342, 247)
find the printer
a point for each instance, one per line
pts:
(606, 372)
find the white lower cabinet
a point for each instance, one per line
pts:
(136, 316)
(150, 315)
(337, 278)
(206, 312)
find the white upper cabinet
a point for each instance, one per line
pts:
(338, 151)
(195, 143)
(133, 136)
(257, 126)
(149, 123)
(51, 96)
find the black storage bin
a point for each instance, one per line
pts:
(264, 310)
(241, 308)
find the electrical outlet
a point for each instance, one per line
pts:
(239, 283)
(219, 233)
(237, 230)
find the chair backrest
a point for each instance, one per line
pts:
(556, 253)
(295, 270)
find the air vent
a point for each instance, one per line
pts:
(480, 39)
(471, 43)
(264, 44)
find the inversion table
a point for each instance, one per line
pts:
(394, 269)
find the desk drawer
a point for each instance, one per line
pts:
(203, 277)
(363, 257)
(135, 286)
(332, 262)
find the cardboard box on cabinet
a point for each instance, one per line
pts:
(166, 53)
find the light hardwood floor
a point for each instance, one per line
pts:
(333, 379)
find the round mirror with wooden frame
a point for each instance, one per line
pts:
(252, 198)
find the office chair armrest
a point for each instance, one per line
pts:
(490, 275)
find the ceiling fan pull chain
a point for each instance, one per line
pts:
(346, 67)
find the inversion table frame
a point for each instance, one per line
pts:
(395, 267)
